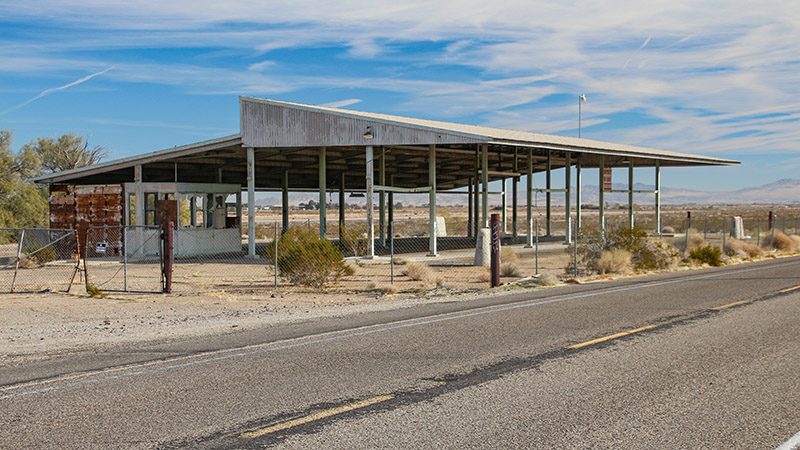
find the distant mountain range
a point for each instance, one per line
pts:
(783, 191)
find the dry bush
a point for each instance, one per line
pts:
(305, 259)
(389, 290)
(614, 261)
(485, 277)
(695, 241)
(742, 249)
(668, 230)
(546, 279)
(781, 242)
(507, 255)
(796, 240)
(707, 255)
(510, 270)
(417, 271)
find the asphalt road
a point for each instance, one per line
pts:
(703, 359)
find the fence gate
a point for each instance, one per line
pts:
(123, 258)
(37, 259)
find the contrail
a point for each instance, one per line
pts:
(644, 44)
(47, 92)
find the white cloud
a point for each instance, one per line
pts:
(51, 91)
(695, 62)
(343, 103)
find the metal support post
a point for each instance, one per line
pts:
(432, 200)
(515, 197)
(494, 266)
(578, 199)
(251, 202)
(658, 197)
(528, 197)
(370, 222)
(285, 201)
(504, 205)
(567, 198)
(630, 194)
(323, 201)
(601, 200)
(275, 254)
(470, 204)
(548, 195)
(382, 196)
(485, 186)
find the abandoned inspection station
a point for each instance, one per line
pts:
(283, 147)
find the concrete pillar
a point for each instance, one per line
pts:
(601, 200)
(342, 206)
(470, 212)
(323, 202)
(567, 195)
(578, 199)
(485, 185)
(139, 206)
(432, 200)
(548, 195)
(370, 222)
(529, 201)
(251, 202)
(658, 197)
(630, 194)
(382, 195)
(514, 196)
(285, 202)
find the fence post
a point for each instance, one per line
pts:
(168, 255)
(391, 251)
(536, 245)
(19, 254)
(124, 231)
(495, 250)
(275, 255)
(575, 254)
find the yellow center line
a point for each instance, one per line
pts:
(316, 416)
(729, 305)
(794, 288)
(611, 337)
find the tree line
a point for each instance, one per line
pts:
(24, 204)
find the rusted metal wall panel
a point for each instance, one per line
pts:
(81, 207)
(266, 125)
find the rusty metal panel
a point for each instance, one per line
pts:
(81, 207)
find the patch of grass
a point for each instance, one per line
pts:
(95, 291)
(417, 271)
(742, 249)
(507, 255)
(707, 255)
(781, 242)
(614, 261)
(510, 270)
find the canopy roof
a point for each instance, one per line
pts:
(288, 136)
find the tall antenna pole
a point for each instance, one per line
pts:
(581, 99)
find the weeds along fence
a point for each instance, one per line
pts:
(37, 259)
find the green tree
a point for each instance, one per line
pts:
(63, 153)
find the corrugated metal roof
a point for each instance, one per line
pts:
(512, 137)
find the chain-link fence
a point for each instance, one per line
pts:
(123, 259)
(37, 259)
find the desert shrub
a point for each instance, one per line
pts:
(614, 261)
(656, 254)
(546, 279)
(509, 270)
(590, 245)
(354, 241)
(707, 255)
(39, 255)
(668, 230)
(507, 255)
(781, 242)
(485, 276)
(742, 249)
(305, 259)
(695, 241)
(417, 271)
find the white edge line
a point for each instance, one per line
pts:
(792, 444)
(330, 336)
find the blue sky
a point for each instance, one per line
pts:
(717, 78)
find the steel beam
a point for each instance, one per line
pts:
(658, 197)
(285, 202)
(567, 199)
(548, 195)
(323, 202)
(370, 219)
(529, 210)
(432, 200)
(251, 202)
(485, 185)
(630, 194)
